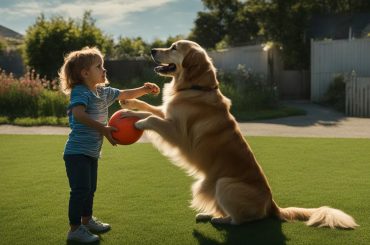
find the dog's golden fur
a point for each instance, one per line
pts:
(196, 130)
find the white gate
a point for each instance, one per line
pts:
(358, 96)
(332, 57)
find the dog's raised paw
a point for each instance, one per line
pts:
(128, 104)
(140, 124)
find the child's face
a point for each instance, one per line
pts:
(96, 73)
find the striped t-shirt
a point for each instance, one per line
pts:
(84, 139)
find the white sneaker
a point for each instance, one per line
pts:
(82, 234)
(96, 225)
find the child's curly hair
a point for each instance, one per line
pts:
(74, 63)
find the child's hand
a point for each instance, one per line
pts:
(107, 132)
(152, 88)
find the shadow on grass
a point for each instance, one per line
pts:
(266, 231)
(99, 233)
(68, 242)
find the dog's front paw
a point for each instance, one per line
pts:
(128, 104)
(140, 124)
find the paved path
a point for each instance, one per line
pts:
(319, 122)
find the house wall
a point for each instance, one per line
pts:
(252, 57)
(333, 57)
(294, 84)
(291, 84)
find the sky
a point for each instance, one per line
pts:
(148, 19)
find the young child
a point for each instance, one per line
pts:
(83, 77)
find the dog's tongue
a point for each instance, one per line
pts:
(165, 68)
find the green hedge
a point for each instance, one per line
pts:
(30, 100)
(248, 91)
(335, 96)
(28, 97)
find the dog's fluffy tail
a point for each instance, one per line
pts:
(321, 217)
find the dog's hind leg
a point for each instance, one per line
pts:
(240, 201)
(204, 200)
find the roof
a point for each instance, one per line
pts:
(8, 33)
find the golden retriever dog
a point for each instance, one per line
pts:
(195, 129)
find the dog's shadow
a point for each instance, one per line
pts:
(266, 231)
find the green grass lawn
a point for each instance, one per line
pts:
(146, 199)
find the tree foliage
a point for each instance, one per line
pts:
(208, 30)
(226, 21)
(129, 48)
(233, 22)
(2, 45)
(47, 41)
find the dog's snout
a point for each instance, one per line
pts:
(153, 51)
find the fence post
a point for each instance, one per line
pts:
(357, 95)
(350, 93)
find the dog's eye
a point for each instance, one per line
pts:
(173, 47)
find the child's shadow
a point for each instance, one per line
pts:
(79, 243)
(266, 231)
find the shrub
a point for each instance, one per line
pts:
(147, 75)
(18, 96)
(30, 121)
(4, 120)
(248, 91)
(30, 96)
(335, 96)
(2, 45)
(52, 103)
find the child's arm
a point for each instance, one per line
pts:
(138, 92)
(80, 114)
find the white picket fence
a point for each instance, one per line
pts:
(331, 57)
(358, 96)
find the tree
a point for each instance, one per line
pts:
(158, 43)
(48, 41)
(207, 31)
(286, 22)
(230, 22)
(226, 21)
(172, 39)
(127, 48)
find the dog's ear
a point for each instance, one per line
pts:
(194, 64)
(191, 58)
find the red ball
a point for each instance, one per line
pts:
(126, 133)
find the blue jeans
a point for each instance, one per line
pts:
(82, 172)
